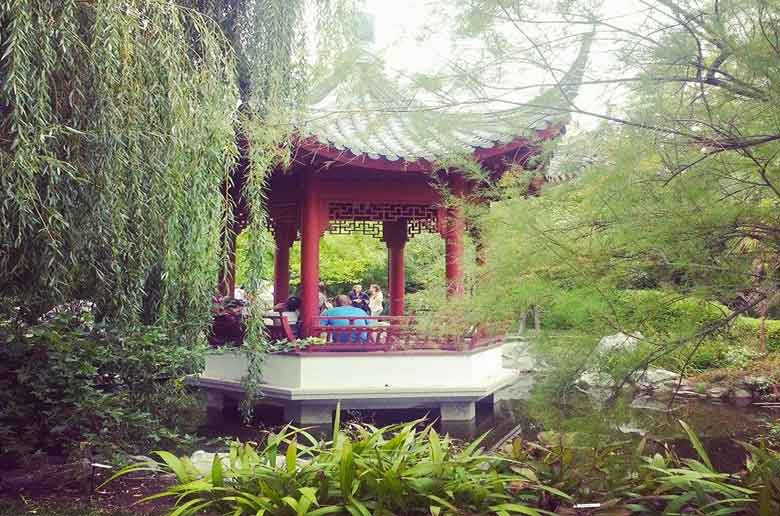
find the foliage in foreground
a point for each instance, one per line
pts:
(393, 470)
(67, 380)
(402, 470)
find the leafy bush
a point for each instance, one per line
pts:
(393, 470)
(746, 330)
(399, 470)
(659, 313)
(624, 478)
(712, 353)
(67, 380)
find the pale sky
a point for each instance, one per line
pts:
(411, 37)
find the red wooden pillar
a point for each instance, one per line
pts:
(395, 238)
(284, 236)
(310, 255)
(453, 238)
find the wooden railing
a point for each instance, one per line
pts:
(384, 333)
(395, 333)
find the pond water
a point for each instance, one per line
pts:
(720, 426)
(514, 411)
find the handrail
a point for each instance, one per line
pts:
(397, 333)
(378, 333)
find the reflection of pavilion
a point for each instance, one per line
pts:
(362, 165)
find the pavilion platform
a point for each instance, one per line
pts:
(309, 384)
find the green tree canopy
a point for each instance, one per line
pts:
(116, 133)
(682, 198)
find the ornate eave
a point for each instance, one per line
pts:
(364, 121)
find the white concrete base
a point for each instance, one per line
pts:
(458, 411)
(310, 384)
(305, 414)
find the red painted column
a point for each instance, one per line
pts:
(395, 237)
(310, 255)
(284, 235)
(453, 239)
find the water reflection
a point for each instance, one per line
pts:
(515, 411)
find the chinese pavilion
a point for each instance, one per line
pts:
(364, 162)
(367, 162)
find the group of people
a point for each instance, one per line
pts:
(371, 304)
(346, 309)
(342, 308)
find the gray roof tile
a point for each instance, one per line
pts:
(358, 115)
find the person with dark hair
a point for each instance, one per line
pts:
(292, 304)
(359, 298)
(344, 310)
(228, 325)
(290, 309)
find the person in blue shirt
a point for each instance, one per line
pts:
(345, 308)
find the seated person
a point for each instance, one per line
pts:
(359, 298)
(289, 309)
(345, 308)
(227, 327)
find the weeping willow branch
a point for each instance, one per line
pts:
(117, 133)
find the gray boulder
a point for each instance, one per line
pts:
(742, 396)
(618, 342)
(755, 382)
(656, 378)
(595, 379)
(717, 391)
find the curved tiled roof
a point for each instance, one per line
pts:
(364, 113)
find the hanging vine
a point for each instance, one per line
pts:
(281, 47)
(117, 131)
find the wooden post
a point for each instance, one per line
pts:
(395, 238)
(453, 239)
(310, 256)
(284, 236)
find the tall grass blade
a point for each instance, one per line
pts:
(697, 445)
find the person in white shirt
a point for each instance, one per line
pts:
(375, 300)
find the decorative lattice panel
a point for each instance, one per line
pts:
(417, 226)
(383, 212)
(366, 218)
(371, 228)
(282, 214)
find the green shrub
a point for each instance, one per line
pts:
(746, 331)
(399, 470)
(651, 312)
(393, 470)
(712, 353)
(66, 381)
(659, 313)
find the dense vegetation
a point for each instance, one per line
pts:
(669, 228)
(115, 136)
(71, 386)
(118, 136)
(124, 123)
(405, 470)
